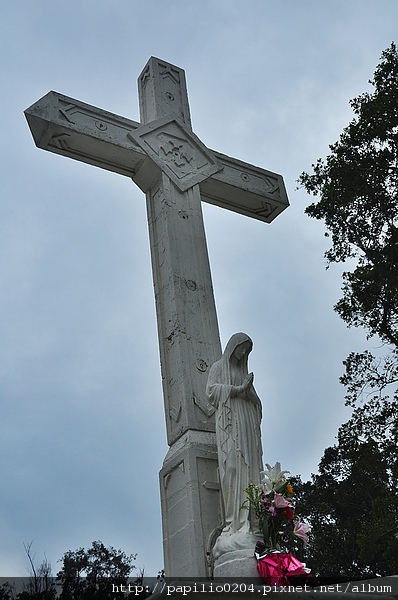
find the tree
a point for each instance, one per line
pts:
(92, 574)
(7, 591)
(357, 198)
(40, 585)
(357, 186)
(352, 507)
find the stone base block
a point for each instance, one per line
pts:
(191, 504)
(233, 556)
(240, 563)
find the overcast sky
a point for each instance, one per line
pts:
(82, 431)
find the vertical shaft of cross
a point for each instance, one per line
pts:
(163, 92)
(187, 322)
(188, 338)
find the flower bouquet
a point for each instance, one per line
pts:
(272, 505)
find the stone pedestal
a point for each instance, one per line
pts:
(237, 563)
(191, 504)
(233, 556)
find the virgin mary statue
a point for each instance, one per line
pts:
(238, 418)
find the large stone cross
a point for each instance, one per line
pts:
(176, 171)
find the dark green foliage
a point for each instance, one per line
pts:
(98, 573)
(90, 574)
(352, 502)
(357, 186)
(45, 594)
(352, 506)
(6, 591)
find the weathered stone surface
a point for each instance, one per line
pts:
(176, 171)
(189, 492)
(177, 151)
(71, 128)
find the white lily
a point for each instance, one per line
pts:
(273, 477)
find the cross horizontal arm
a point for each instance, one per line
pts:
(86, 133)
(92, 135)
(245, 189)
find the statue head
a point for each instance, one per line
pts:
(238, 347)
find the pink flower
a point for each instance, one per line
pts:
(301, 530)
(281, 502)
